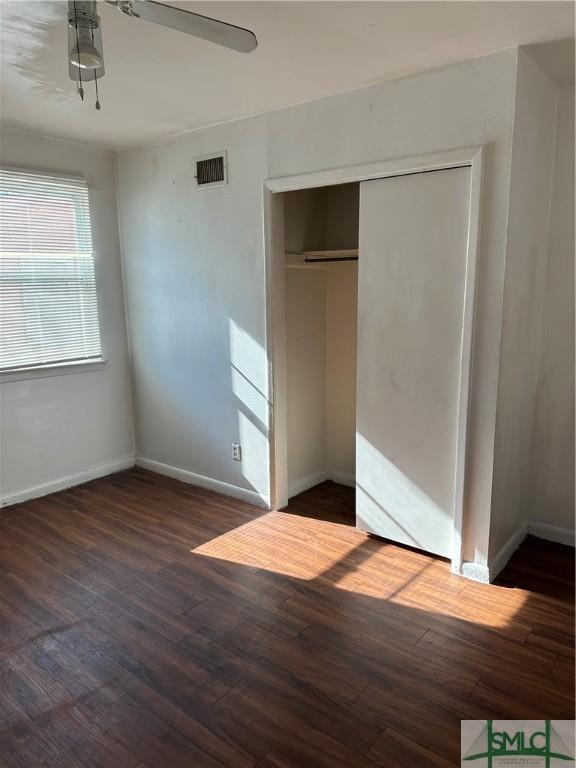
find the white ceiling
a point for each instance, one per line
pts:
(160, 82)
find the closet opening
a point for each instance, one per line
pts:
(404, 427)
(321, 304)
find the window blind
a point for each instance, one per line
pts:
(48, 303)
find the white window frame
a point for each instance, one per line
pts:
(44, 370)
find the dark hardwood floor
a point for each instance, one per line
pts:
(145, 623)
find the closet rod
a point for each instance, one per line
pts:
(331, 258)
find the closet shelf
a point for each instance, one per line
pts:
(309, 257)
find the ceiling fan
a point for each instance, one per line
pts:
(85, 52)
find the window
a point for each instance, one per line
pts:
(48, 303)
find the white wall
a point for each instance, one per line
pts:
(306, 376)
(63, 429)
(321, 310)
(526, 254)
(194, 258)
(321, 217)
(341, 353)
(551, 491)
(305, 220)
(321, 328)
(195, 290)
(342, 211)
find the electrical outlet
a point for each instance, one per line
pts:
(236, 452)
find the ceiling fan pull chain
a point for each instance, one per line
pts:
(96, 78)
(97, 97)
(80, 88)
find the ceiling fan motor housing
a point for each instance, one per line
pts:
(82, 13)
(84, 42)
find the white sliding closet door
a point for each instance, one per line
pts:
(413, 241)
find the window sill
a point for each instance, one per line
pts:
(54, 369)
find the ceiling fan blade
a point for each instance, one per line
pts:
(228, 35)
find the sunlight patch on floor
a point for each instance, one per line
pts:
(330, 556)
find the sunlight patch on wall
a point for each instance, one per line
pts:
(254, 455)
(251, 397)
(249, 358)
(249, 378)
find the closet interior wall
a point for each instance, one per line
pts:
(321, 327)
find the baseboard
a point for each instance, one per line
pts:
(474, 571)
(487, 573)
(304, 483)
(192, 478)
(343, 478)
(92, 473)
(551, 533)
(501, 559)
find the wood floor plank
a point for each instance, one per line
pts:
(278, 685)
(476, 657)
(280, 723)
(427, 727)
(145, 622)
(392, 750)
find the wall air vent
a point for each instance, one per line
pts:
(211, 170)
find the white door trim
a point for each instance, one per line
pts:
(275, 311)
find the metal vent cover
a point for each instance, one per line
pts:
(211, 170)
